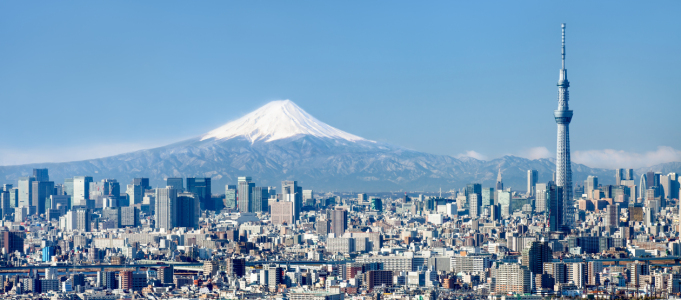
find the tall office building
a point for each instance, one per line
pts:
(290, 191)
(487, 197)
(619, 176)
(532, 178)
(500, 185)
(41, 175)
(42, 190)
(176, 183)
(81, 190)
(135, 194)
(555, 201)
(244, 196)
(590, 184)
(188, 211)
(230, 196)
(674, 186)
(25, 191)
(259, 196)
(541, 197)
(68, 186)
(563, 117)
(166, 207)
(144, 182)
(202, 189)
(339, 221)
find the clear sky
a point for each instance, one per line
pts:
(94, 78)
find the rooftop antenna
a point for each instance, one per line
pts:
(563, 48)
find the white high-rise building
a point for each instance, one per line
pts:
(166, 207)
(532, 178)
(81, 190)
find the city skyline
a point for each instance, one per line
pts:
(456, 81)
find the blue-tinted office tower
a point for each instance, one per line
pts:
(201, 188)
(176, 183)
(48, 252)
(555, 206)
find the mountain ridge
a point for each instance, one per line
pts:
(280, 141)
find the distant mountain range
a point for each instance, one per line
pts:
(280, 141)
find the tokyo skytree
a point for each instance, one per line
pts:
(563, 117)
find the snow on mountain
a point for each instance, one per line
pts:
(275, 121)
(280, 141)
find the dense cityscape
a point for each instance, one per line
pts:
(91, 237)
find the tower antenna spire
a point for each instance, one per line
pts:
(562, 52)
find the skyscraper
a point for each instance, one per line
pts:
(294, 193)
(500, 185)
(339, 222)
(202, 189)
(244, 194)
(25, 191)
(188, 211)
(81, 190)
(555, 202)
(176, 183)
(590, 184)
(619, 176)
(230, 196)
(41, 175)
(532, 177)
(541, 198)
(166, 207)
(563, 117)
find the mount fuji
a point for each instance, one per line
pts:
(280, 141)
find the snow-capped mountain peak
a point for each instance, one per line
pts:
(278, 120)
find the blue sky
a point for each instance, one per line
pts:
(94, 78)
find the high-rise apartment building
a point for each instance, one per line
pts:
(475, 205)
(535, 255)
(513, 279)
(612, 218)
(339, 221)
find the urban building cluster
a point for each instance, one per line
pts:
(86, 239)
